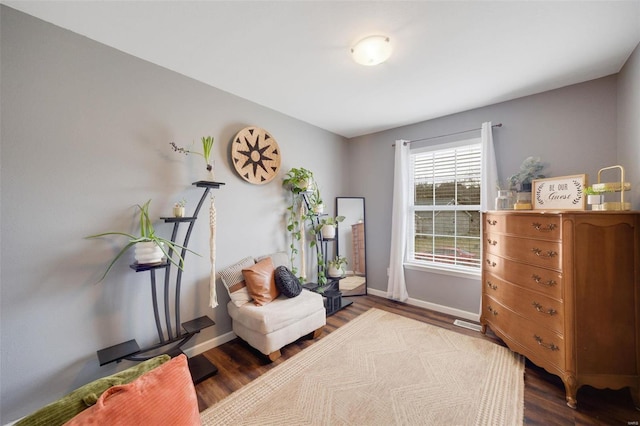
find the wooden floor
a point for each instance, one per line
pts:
(544, 397)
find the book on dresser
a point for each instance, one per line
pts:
(562, 288)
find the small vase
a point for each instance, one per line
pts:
(178, 211)
(505, 200)
(148, 252)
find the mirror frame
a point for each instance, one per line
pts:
(338, 248)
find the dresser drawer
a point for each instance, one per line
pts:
(541, 309)
(546, 281)
(525, 225)
(544, 345)
(547, 254)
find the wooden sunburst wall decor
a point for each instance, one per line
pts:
(256, 155)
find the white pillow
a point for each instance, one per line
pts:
(234, 281)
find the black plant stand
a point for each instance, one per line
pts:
(170, 343)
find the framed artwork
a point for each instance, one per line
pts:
(559, 193)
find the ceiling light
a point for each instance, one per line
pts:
(371, 50)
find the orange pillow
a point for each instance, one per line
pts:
(163, 396)
(261, 282)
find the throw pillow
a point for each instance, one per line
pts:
(64, 409)
(260, 281)
(234, 281)
(287, 283)
(163, 396)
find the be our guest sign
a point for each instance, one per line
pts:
(559, 193)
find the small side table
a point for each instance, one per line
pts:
(333, 300)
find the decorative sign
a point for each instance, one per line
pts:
(559, 193)
(256, 155)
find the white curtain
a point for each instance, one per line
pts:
(396, 286)
(489, 169)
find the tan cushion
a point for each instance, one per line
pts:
(163, 396)
(261, 282)
(234, 281)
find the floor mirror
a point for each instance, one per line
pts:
(352, 245)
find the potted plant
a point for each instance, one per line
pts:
(594, 197)
(529, 170)
(327, 226)
(207, 145)
(298, 180)
(315, 201)
(149, 247)
(178, 208)
(336, 266)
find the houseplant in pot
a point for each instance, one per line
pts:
(327, 226)
(150, 248)
(336, 267)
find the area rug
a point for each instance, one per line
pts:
(384, 369)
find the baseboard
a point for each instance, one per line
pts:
(471, 316)
(209, 344)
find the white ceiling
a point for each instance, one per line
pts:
(293, 56)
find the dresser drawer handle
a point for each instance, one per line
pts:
(491, 285)
(540, 308)
(491, 263)
(493, 311)
(491, 242)
(548, 255)
(538, 280)
(548, 228)
(549, 346)
(492, 222)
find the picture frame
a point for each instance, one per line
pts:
(559, 193)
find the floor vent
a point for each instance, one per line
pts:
(469, 325)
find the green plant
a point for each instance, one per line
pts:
(147, 234)
(207, 145)
(529, 170)
(297, 180)
(338, 262)
(315, 199)
(330, 221)
(180, 203)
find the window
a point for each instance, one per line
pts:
(443, 229)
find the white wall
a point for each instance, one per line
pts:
(573, 129)
(85, 136)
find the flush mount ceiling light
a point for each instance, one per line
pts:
(372, 50)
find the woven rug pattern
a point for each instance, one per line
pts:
(384, 369)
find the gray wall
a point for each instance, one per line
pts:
(85, 136)
(573, 129)
(629, 124)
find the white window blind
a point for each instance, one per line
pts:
(444, 227)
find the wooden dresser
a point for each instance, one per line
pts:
(563, 289)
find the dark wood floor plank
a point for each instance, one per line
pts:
(544, 397)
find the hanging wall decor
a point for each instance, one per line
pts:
(256, 155)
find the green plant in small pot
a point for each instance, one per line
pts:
(336, 267)
(315, 201)
(594, 197)
(298, 180)
(150, 248)
(327, 227)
